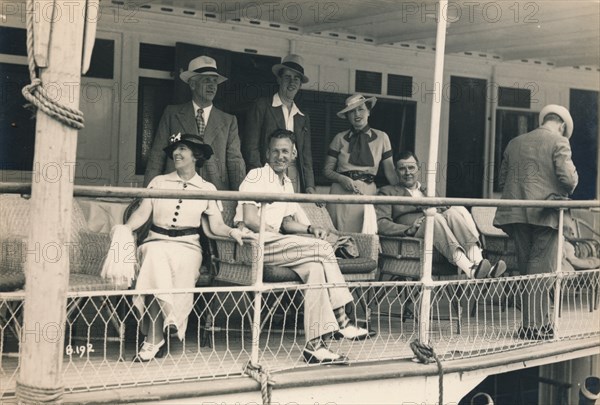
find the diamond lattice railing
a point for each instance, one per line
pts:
(467, 318)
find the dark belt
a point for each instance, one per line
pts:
(358, 175)
(174, 232)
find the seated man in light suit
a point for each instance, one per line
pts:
(455, 235)
(226, 168)
(308, 255)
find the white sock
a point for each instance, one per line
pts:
(474, 253)
(463, 262)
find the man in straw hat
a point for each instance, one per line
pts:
(537, 166)
(280, 112)
(226, 168)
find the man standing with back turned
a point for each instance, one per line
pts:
(537, 166)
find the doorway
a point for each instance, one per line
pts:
(466, 137)
(584, 142)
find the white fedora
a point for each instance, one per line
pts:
(202, 65)
(293, 62)
(354, 101)
(562, 112)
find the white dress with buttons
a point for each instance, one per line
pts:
(173, 262)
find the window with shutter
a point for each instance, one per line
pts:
(368, 82)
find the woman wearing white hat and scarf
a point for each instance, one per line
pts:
(353, 161)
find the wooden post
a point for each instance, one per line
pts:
(47, 262)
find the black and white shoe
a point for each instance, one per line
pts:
(498, 269)
(150, 351)
(351, 332)
(482, 269)
(323, 355)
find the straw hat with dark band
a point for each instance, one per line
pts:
(202, 65)
(292, 62)
(354, 101)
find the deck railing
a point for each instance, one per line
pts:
(229, 326)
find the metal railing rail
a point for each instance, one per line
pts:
(133, 192)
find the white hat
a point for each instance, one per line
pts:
(562, 112)
(202, 65)
(293, 62)
(354, 101)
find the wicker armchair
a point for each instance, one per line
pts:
(496, 243)
(237, 264)
(401, 259)
(86, 256)
(86, 253)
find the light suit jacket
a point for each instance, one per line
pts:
(225, 169)
(261, 121)
(535, 166)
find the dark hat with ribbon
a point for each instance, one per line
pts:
(293, 62)
(202, 65)
(194, 142)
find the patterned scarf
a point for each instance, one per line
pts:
(360, 152)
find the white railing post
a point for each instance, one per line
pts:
(558, 274)
(436, 110)
(256, 319)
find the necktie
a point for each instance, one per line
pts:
(200, 123)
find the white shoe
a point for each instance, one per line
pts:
(352, 332)
(150, 351)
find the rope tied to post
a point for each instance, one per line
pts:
(36, 94)
(30, 394)
(425, 354)
(263, 377)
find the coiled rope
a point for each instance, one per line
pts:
(263, 377)
(425, 354)
(35, 92)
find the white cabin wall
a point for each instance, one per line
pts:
(331, 65)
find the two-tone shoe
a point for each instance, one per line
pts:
(149, 351)
(322, 355)
(482, 269)
(498, 269)
(351, 332)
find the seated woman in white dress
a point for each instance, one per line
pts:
(171, 256)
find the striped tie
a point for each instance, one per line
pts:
(200, 123)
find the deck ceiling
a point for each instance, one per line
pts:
(565, 32)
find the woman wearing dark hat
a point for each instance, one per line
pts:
(353, 160)
(170, 256)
